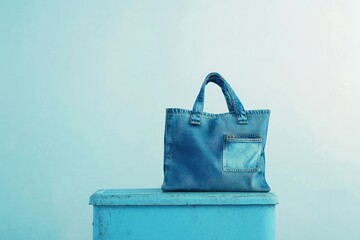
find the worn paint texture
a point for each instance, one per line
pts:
(152, 214)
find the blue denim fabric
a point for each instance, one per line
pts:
(215, 152)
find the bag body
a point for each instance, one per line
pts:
(215, 152)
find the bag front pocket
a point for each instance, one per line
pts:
(241, 152)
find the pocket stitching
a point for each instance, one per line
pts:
(241, 138)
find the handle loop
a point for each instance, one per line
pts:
(233, 102)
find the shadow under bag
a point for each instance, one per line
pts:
(215, 152)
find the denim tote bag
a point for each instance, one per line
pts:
(215, 152)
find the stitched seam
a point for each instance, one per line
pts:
(215, 115)
(244, 140)
(242, 170)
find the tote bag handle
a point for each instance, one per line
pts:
(233, 102)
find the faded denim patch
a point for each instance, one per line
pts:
(241, 152)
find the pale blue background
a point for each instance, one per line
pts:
(84, 86)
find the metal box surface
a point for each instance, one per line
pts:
(136, 214)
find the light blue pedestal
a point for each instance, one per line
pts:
(152, 214)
